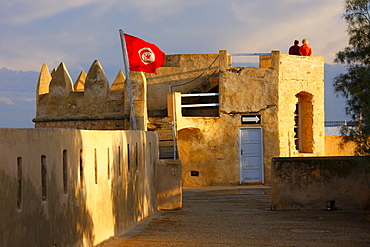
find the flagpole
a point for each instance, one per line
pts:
(128, 82)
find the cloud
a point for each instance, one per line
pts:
(79, 31)
(6, 100)
(24, 11)
(275, 25)
(159, 9)
(11, 98)
(20, 12)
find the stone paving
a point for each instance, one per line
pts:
(241, 216)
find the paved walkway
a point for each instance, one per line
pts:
(241, 216)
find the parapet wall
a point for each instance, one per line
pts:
(89, 103)
(65, 187)
(309, 183)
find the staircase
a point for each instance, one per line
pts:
(166, 143)
(160, 124)
(207, 86)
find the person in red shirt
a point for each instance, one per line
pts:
(305, 50)
(294, 49)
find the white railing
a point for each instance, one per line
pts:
(199, 95)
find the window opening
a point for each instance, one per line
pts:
(297, 126)
(303, 127)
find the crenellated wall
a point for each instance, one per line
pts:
(89, 103)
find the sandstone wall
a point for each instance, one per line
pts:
(300, 74)
(210, 145)
(179, 69)
(64, 187)
(246, 91)
(169, 184)
(335, 147)
(310, 182)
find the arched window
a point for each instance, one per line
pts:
(303, 118)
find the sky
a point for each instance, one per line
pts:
(77, 32)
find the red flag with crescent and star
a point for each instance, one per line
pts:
(143, 56)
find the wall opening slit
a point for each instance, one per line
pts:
(108, 165)
(81, 171)
(128, 158)
(43, 177)
(150, 154)
(19, 178)
(136, 157)
(119, 161)
(96, 166)
(65, 172)
(144, 155)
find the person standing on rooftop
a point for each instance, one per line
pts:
(305, 49)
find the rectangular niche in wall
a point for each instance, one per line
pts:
(96, 166)
(108, 161)
(119, 161)
(43, 177)
(19, 178)
(65, 171)
(81, 171)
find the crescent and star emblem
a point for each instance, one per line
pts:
(146, 55)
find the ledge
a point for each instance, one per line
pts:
(81, 118)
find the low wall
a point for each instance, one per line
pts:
(308, 183)
(169, 184)
(65, 187)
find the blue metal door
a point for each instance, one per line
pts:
(251, 155)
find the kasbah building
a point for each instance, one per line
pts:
(223, 123)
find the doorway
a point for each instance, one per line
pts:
(251, 155)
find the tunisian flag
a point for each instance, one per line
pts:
(143, 56)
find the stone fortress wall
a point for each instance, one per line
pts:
(68, 187)
(89, 103)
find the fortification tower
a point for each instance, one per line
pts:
(89, 103)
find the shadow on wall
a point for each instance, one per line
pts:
(45, 204)
(64, 187)
(133, 180)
